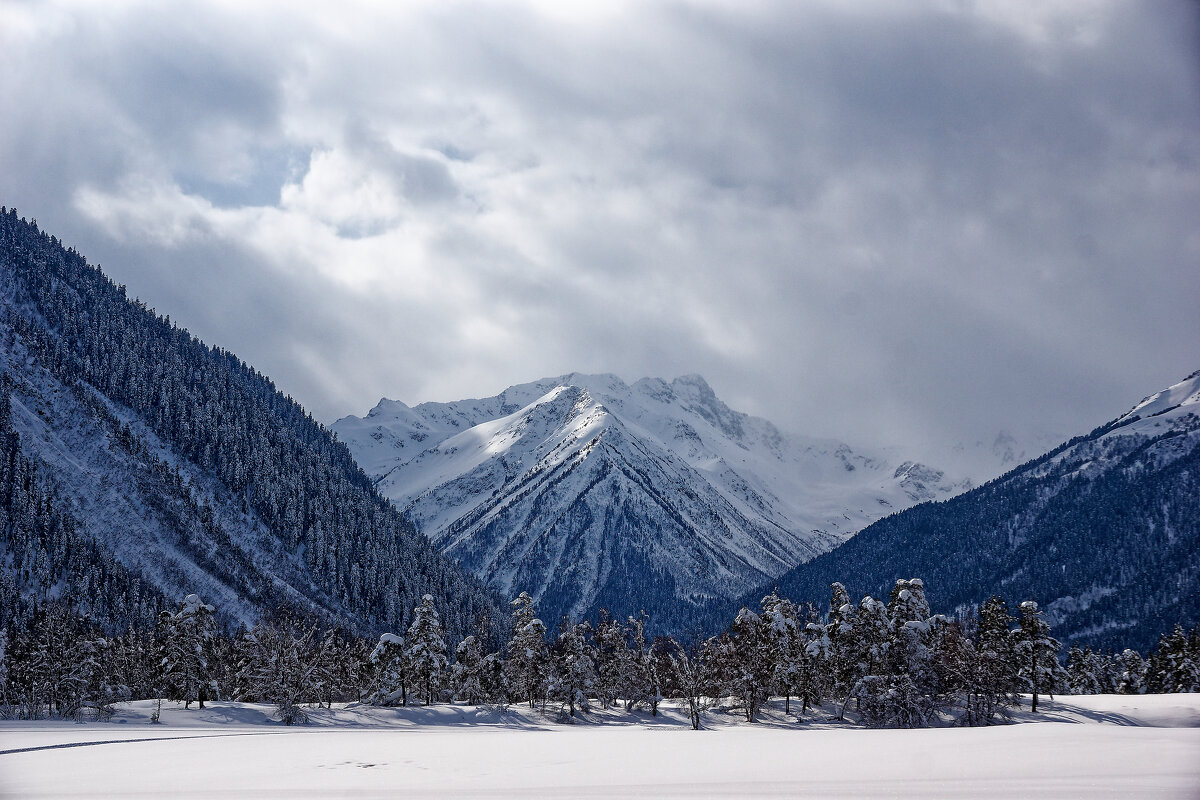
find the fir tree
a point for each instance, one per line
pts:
(466, 677)
(1036, 652)
(575, 667)
(188, 634)
(426, 653)
(390, 678)
(525, 667)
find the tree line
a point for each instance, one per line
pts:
(886, 664)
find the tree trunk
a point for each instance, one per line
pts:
(1034, 680)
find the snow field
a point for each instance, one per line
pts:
(1081, 747)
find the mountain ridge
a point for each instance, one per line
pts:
(713, 497)
(185, 466)
(1103, 531)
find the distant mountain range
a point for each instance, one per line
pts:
(589, 493)
(138, 464)
(1103, 531)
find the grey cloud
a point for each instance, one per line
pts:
(911, 225)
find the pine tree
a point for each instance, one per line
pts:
(610, 644)
(526, 665)
(390, 678)
(753, 663)
(187, 634)
(575, 667)
(466, 676)
(1132, 673)
(640, 673)
(427, 649)
(987, 664)
(782, 630)
(1036, 652)
(1174, 664)
(687, 677)
(842, 648)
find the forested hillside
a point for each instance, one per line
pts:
(1103, 531)
(142, 462)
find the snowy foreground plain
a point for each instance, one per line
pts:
(1094, 747)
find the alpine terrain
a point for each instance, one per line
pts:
(138, 464)
(589, 493)
(1102, 531)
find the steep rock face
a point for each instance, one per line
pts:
(590, 493)
(1103, 531)
(172, 467)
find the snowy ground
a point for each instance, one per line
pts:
(1095, 747)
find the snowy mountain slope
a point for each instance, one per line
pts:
(141, 465)
(586, 491)
(1103, 531)
(983, 459)
(162, 516)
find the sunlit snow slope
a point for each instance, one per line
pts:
(590, 493)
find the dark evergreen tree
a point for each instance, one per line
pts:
(752, 665)
(188, 634)
(526, 667)
(390, 676)
(1036, 652)
(426, 652)
(467, 675)
(574, 665)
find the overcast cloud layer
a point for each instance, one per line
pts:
(901, 223)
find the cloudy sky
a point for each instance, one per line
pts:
(888, 222)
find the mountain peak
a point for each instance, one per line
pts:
(689, 499)
(1183, 396)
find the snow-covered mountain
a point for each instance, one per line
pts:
(588, 492)
(138, 465)
(1103, 531)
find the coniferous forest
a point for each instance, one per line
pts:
(238, 485)
(882, 664)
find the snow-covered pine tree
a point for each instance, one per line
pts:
(281, 664)
(640, 677)
(817, 669)
(427, 649)
(5, 699)
(686, 678)
(842, 649)
(1086, 672)
(1036, 652)
(986, 664)
(526, 665)
(575, 667)
(782, 631)
(907, 602)
(753, 662)
(390, 676)
(466, 676)
(611, 658)
(1174, 664)
(1132, 672)
(187, 635)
